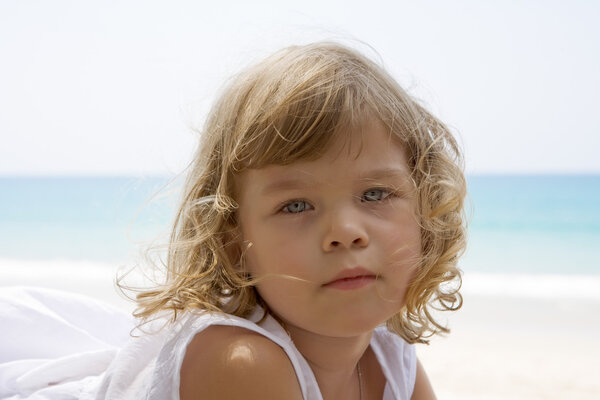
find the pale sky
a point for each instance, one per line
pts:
(112, 87)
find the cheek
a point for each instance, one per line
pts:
(283, 278)
(403, 249)
(277, 254)
(402, 237)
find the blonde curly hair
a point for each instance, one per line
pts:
(290, 107)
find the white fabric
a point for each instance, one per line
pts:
(56, 345)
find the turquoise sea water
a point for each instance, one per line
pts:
(521, 224)
(534, 224)
(80, 218)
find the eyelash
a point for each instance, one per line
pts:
(383, 190)
(286, 205)
(388, 193)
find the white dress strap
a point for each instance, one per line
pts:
(398, 361)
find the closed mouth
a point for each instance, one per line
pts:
(351, 278)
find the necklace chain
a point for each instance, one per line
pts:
(360, 385)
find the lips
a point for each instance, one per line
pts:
(351, 278)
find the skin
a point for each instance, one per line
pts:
(303, 224)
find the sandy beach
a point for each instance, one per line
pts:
(517, 348)
(521, 344)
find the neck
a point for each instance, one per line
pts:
(333, 360)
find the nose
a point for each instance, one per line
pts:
(345, 230)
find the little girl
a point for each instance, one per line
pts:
(321, 219)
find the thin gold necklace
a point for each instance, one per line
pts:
(360, 386)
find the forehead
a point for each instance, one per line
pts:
(372, 136)
(370, 152)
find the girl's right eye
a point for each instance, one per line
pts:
(296, 207)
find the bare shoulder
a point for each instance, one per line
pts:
(423, 389)
(227, 362)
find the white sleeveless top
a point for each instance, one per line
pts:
(149, 366)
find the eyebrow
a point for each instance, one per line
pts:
(286, 184)
(299, 183)
(384, 173)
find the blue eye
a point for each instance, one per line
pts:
(296, 207)
(375, 195)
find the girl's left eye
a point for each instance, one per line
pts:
(375, 195)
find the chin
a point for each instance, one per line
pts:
(356, 325)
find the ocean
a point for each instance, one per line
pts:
(519, 224)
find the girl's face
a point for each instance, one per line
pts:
(335, 240)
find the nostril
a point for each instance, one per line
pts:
(335, 243)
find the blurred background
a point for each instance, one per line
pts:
(100, 103)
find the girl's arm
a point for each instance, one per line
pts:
(224, 362)
(423, 389)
